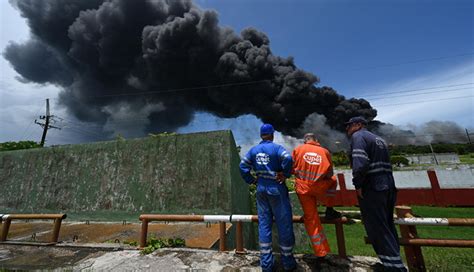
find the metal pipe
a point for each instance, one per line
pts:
(217, 218)
(57, 227)
(34, 216)
(435, 221)
(144, 232)
(224, 218)
(9, 217)
(341, 243)
(239, 248)
(172, 217)
(222, 236)
(437, 242)
(5, 228)
(300, 219)
(238, 218)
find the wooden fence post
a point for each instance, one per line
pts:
(435, 188)
(413, 254)
(343, 190)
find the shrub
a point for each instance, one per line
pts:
(18, 145)
(340, 158)
(156, 243)
(399, 160)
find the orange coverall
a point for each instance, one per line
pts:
(314, 180)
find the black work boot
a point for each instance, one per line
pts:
(332, 214)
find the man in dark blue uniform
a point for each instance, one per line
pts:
(376, 191)
(272, 165)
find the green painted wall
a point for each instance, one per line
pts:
(187, 173)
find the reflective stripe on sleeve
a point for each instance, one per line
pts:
(360, 156)
(377, 170)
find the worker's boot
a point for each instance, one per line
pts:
(332, 214)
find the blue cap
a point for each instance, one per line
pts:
(357, 119)
(266, 129)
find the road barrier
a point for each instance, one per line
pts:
(238, 219)
(7, 219)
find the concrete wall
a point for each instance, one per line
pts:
(189, 173)
(448, 178)
(452, 158)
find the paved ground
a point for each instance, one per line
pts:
(103, 257)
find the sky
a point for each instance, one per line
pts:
(412, 60)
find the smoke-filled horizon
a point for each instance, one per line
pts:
(116, 57)
(148, 66)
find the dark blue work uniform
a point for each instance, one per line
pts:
(267, 159)
(372, 171)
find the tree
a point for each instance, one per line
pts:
(18, 145)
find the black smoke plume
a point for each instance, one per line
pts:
(166, 59)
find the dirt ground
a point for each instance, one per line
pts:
(195, 235)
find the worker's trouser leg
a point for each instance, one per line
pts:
(330, 192)
(274, 203)
(312, 222)
(377, 213)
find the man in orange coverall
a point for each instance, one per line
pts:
(315, 181)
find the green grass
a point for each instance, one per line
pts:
(436, 258)
(467, 158)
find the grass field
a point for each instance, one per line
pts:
(467, 158)
(436, 258)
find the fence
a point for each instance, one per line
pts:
(7, 219)
(412, 243)
(434, 196)
(238, 219)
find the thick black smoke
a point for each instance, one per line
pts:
(430, 132)
(166, 59)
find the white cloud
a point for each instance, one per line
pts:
(430, 104)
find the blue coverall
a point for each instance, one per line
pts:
(266, 159)
(372, 172)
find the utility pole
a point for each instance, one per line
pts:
(434, 155)
(468, 138)
(48, 118)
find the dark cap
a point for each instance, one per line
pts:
(357, 119)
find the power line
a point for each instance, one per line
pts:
(425, 101)
(409, 62)
(440, 91)
(414, 90)
(187, 88)
(85, 133)
(127, 120)
(29, 125)
(88, 132)
(47, 124)
(164, 91)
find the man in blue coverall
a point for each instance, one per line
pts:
(272, 165)
(376, 191)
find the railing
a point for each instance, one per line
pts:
(238, 219)
(7, 219)
(435, 195)
(412, 243)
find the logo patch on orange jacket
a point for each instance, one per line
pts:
(312, 158)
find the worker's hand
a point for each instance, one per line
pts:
(359, 192)
(280, 177)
